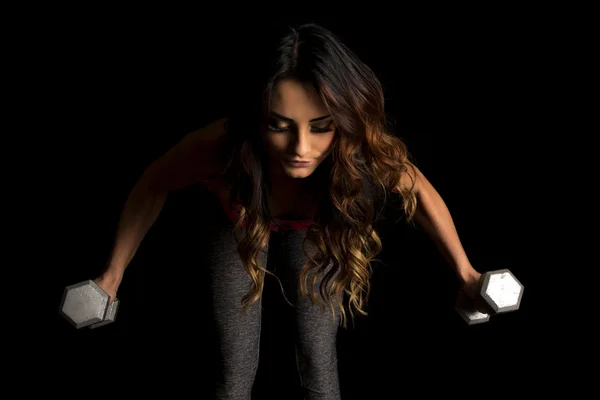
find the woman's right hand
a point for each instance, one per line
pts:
(110, 284)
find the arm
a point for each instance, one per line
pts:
(433, 216)
(191, 160)
(139, 213)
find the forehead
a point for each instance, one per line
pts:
(297, 100)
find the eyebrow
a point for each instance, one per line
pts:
(292, 121)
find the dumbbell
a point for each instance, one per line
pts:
(500, 290)
(86, 304)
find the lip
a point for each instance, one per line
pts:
(297, 163)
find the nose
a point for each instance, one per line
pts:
(301, 142)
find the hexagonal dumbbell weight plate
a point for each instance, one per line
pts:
(86, 304)
(502, 291)
(472, 316)
(110, 316)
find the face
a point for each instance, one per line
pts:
(299, 128)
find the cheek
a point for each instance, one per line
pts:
(326, 143)
(277, 143)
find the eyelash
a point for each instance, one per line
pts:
(314, 130)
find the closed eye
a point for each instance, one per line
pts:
(313, 129)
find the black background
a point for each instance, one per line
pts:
(121, 90)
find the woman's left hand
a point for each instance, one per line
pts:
(470, 293)
(472, 285)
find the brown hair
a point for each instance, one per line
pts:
(366, 163)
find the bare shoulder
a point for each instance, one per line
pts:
(194, 158)
(411, 178)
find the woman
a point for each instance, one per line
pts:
(305, 155)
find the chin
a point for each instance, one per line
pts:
(298, 173)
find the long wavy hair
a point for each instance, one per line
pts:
(365, 164)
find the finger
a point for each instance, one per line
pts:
(483, 307)
(463, 301)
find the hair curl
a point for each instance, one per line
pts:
(366, 163)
